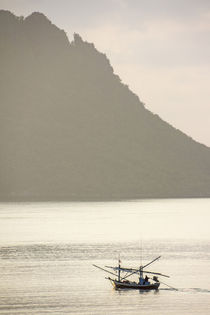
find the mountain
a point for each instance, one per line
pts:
(71, 130)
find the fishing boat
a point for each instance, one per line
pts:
(144, 282)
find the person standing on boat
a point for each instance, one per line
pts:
(146, 280)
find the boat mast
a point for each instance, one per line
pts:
(119, 268)
(140, 272)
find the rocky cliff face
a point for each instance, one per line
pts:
(70, 130)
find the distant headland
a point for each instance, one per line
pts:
(72, 131)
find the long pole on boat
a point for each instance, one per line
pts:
(168, 285)
(105, 270)
(151, 262)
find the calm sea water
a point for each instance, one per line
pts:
(47, 251)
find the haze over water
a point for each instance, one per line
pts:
(47, 251)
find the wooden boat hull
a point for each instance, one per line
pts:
(134, 285)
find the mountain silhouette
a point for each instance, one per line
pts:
(71, 130)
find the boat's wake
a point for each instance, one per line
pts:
(168, 289)
(186, 290)
(199, 290)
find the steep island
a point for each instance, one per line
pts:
(71, 130)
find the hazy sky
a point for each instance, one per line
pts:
(160, 48)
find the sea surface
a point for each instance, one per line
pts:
(47, 252)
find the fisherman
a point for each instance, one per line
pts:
(155, 279)
(146, 280)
